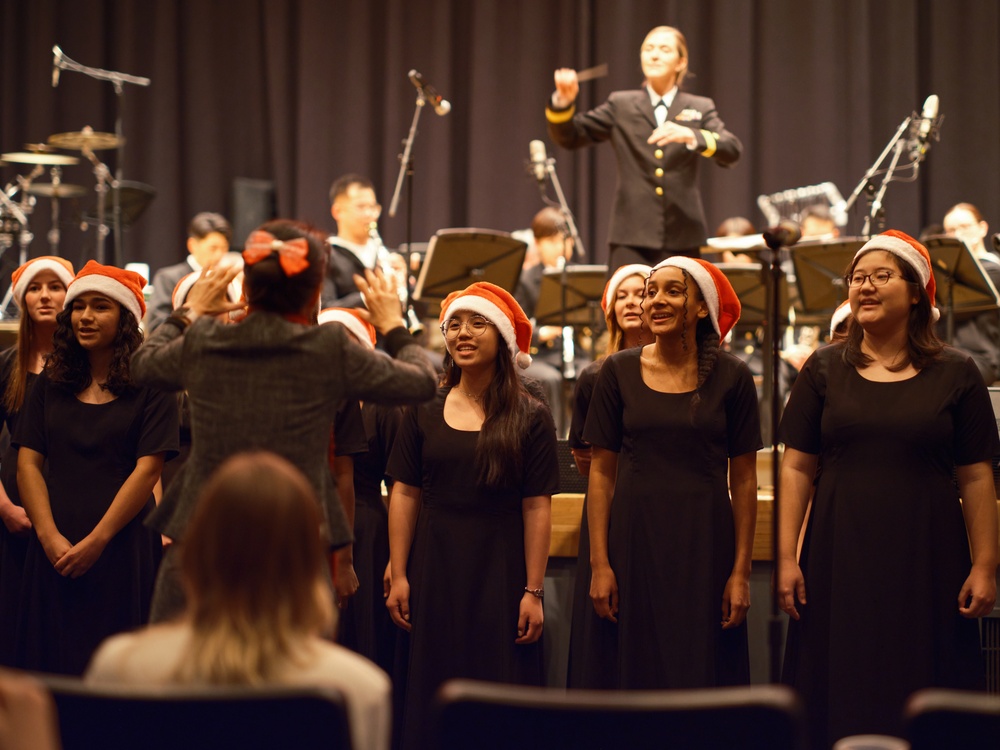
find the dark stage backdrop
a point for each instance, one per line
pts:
(299, 92)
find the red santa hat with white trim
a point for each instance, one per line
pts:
(23, 275)
(124, 287)
(622, 273)
(351, 319)
(840, 316)
(911, 252)
(720, 297)
(499, 307)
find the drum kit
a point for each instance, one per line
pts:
(26, 188)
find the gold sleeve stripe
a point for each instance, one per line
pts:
(710, 143)
(560, 116)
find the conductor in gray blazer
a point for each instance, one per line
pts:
(660, 135)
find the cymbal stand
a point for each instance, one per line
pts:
(25, 236)
(53, 235)
(104, 180)
(63, 62)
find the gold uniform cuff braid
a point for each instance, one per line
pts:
(540, 593)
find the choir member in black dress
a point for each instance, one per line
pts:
(592, 638)
(365, 625)
(90, 572)
(670, 541)
(469, 515)
(38, 288)
(885, 595)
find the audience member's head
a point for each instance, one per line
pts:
(252, 562)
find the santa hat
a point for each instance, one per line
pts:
(351, 319)
(22, 277)
(233, 292)
(124, 287)
(719, 295)
(911, 252)
(501, 309)
(840, 316)
(611, 288)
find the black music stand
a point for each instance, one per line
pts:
(459, 257)
(751, 289)
(963, 286)
(819, 276)
(584, 289)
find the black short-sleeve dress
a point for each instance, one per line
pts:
(466, 569)
(91, 451)
(885, 552)
(365, 626)
(671, 535)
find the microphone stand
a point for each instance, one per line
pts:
(406, 170)
(876, 211)
(117, 79)
(866, 182)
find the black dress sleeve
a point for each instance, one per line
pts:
(975, 427)
(604, 426)
(541, 462)
(30, 431)
(160, 431)
(582, 395)
(387, 419)
(742, 414)
(405, 464)
(349, 436)
(800, 426)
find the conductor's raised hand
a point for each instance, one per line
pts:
(208, 295)
(382, 300)
(567, 86)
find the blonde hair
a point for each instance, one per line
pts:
(252, 563)
(682, 47)
(616, 336)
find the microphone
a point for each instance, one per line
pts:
(539, 160)
(785, 234)
(921, 143)
(441, 105)
(56, 64)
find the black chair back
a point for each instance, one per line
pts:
(938, 719)
(489, 716)
(197, 717)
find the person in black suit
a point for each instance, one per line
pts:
(209, 235)
(660, 135)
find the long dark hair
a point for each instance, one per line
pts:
(69, 366)
(508, 407)
(922, 344)
(266, 285)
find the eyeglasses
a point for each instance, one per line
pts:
(878, 278)
(476, 325)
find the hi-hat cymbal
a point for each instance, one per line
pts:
(23, 157)
(62, 190)
(85, 139)
(39, 148)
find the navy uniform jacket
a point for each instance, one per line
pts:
(657, 203)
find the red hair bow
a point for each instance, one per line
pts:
(293, 255)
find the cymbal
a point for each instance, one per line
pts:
(85, 139)
(23, 157)
(39, 148)
(62, 190)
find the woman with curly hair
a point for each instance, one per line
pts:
(39, 288)
(670, 544)
(90, 572)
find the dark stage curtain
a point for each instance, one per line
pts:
(299, 92)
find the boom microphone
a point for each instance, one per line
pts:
(441, 105)
(539, 160)
(785, 234)
(921, 143)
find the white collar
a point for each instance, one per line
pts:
(667, 99)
